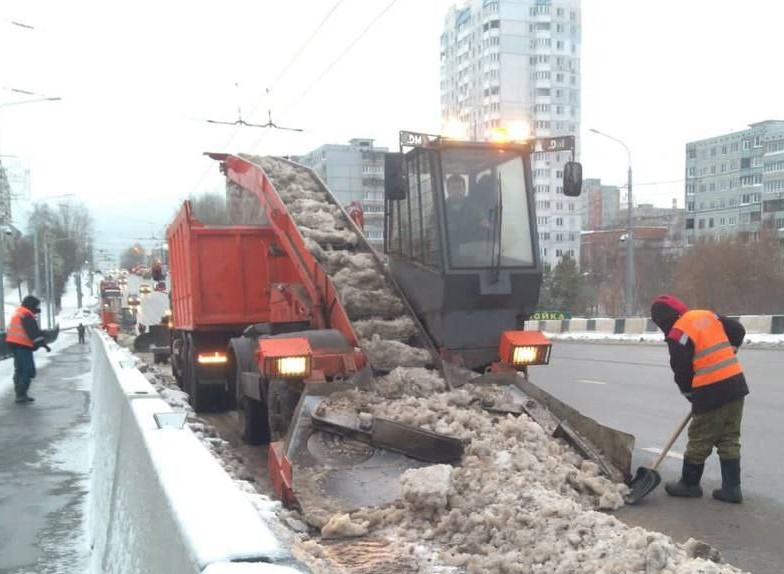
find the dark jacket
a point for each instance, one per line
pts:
(682, 360)
(31, 325)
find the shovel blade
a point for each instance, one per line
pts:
(644, 482)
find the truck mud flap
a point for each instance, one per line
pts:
(609, 448)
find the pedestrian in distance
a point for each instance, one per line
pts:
(23, 337)
(703, 347)
(81, 329)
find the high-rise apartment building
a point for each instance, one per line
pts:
(735, 182)
(509, 63)
(600, 205)
(354, 172)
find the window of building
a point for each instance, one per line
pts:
(702, 224)
(734, 147)
(559, 221)
(713, 152)
(710, 222)
(755, 216)
(559, 252)
(690, 206)
(746, 144)
(691, 172)
(756, 161)
(724, 150)
(689, 224)
(691, 153)
(757, 141)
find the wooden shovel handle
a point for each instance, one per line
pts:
(672, 440)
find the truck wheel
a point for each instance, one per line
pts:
(253, 422)
(198, 396)
(282, 400)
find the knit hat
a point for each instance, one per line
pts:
(665, 310)
(33, 303)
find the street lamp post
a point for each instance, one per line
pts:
(40, 98)
(630, 279)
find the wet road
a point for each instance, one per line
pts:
(44, 469)
(630, 387)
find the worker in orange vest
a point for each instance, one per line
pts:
(703, 347)
(22, 338)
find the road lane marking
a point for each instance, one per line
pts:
(591, 382)
(655, 450)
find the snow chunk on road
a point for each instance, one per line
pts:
(341, 526)
(426, 489)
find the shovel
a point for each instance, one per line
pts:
(647, 479)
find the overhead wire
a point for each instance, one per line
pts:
(329, 68)
(275, 82)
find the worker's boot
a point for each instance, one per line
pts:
(689, 484)
(730, 481)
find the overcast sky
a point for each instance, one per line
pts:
(138, 78)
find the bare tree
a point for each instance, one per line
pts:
(733, 276)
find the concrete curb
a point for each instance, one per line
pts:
(160, 502)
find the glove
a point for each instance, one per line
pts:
(689, 396)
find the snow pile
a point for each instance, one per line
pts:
(520, 501)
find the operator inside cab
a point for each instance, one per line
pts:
(470, 219)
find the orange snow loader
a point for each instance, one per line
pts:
(266, 314)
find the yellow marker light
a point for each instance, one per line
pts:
(524, 355)
(455, 130)
(499, 135)
(292, 366)
(518, 130)
(215, 358)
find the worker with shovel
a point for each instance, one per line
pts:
(702, 348)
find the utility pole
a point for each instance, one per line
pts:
(37, 291)
(630, 279)
(47, 266)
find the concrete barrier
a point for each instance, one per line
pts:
(635, 325)
(754, 324)
(159, 501)
(757, 323)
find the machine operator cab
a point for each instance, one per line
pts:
(461, 238)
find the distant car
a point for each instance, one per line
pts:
(133, 301)
(145, 289)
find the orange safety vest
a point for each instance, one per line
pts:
(714, 358)
(16, 332)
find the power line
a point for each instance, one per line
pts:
(286, 69)
(332, 64)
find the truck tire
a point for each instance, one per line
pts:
(176, 357)
(199, 397)
(282, 401)
(254, 424)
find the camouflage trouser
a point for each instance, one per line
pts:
(720, 428)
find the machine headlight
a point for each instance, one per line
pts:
(292, 366)
(519, 349)
(288, 358)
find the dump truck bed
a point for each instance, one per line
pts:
(220, 274)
